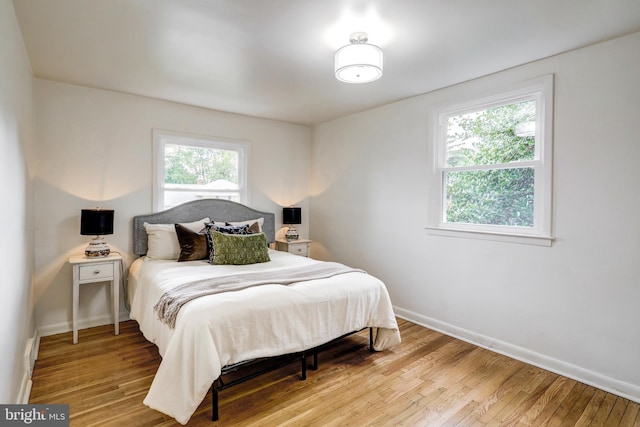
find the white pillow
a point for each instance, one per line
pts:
(260, 222)
(162, 240)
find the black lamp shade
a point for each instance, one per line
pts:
(96, 222)
(292, 215)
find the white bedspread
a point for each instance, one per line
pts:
(269, 320)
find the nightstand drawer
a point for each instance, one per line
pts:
(96, 271)
(296, 247)
(300, 249)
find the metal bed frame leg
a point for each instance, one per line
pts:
(303, 358)
(371, 339)
(214, 400)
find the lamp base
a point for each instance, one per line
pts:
(97, 248)
(291, 234)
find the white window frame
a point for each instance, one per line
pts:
(540, 90)
(163, 137)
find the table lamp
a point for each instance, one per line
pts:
(96, 222)
(291, 216)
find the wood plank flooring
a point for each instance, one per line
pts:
(428, 380)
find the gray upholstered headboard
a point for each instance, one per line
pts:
(216, 209)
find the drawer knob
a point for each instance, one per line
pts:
(96, 272)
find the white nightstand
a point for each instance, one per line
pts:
(92, 270)
(297, 247)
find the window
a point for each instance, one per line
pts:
(188, 167)
(492, 171)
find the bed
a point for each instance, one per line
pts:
(260, 315)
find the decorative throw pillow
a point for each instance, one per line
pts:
(239, 249)
(250, 222)
(225, 229)
(193, 245)
(162, 241)
(254, 228)
(228, 229)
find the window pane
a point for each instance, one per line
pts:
(209, 167)
(191, 167)
(502, 134)
(496, 197)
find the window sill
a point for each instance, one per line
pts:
(493, 236)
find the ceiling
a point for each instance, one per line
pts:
(274, 58)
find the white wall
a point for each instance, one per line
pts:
(572, 308)
(17, 323)
(94, 148)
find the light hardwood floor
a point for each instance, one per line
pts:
(428, 380)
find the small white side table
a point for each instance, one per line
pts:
(92, 270)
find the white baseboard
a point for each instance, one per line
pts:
(25, 390)
(59, 328)
(586, 376)
(29, 360)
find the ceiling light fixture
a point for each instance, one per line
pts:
(358, 62)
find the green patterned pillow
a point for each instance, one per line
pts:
(238, 249)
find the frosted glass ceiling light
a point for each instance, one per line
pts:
(358, 62)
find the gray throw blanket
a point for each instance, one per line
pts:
(172, 301)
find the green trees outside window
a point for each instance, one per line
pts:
(487, 178)
(199, 165)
